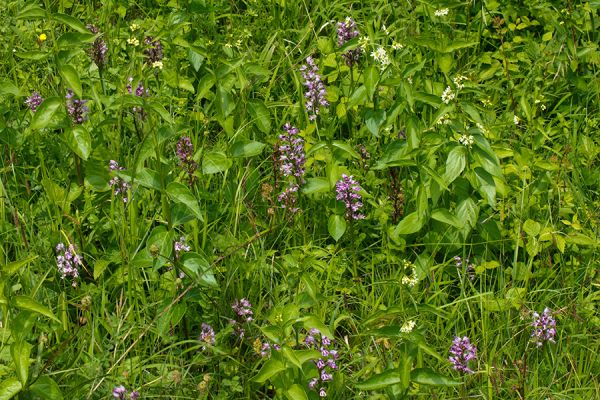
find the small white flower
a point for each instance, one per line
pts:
(466, 140)
(157, 64)
(482, 128)
(397, 46)
(458, 81)
(408, 326)
(134, 27)
(442, 12)
(444, 120)
(228, 45)
(448, 95)
(384, 29)
(363, 42)
(486, 102)
(543, 107)
(409, 281)
(380, 55)
(410, 80)
(133, 41)
(516, 120)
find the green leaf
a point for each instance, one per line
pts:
(196, 267)
(345, 147)
(79, 141)
(20, 351)
(247, 148)
(196, 59)
(99, 267)
(290, 355)
(374, 119)
(532, 228)
(296, 392)
(182, 194)
(71, 22)
(371, 79)
(27, 303)
(444, 62)
(9, 388)
(316, 185)
(225, 102)
(426, 376)
(455, 164)
(358, 97)
(260, 115)
(32, 11)
(381, 381)
(445, 216)
(13, 267)
(32, 55)
(7, 87)
(409, 224)
(271, 368)
(47, 114)
(215, 162)
(46, 388)
(148, 178)
(336, 226)
(75, 39)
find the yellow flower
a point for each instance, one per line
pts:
(42, 37)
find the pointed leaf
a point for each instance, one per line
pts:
(46, 388)
(71, 79)
(271, 368)
(46, 115)
(455, 164)
(79, 141)
(409, 224)
(381, 381)
(182, 194)
(196, 267)
(260, 115)
(336, 226)
(426, 376)
(445, 216)
(71, 22)
(9, 388)
(215, 162)
(247, 148)
(27, 303)
(14, 266)
(296, 392)
(20, 351)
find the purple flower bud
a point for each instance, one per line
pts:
(185, 153)
(346, 31)
(544, 327)
(154, 50)
(348, 191)
(76, 108)
(461, 352)
(99, 48)
(207, 335)
(315, 94)
(67, 261)
(34, 101)
(119, 392)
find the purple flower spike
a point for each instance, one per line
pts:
(348, 191)
(34, 101)
(154, 50)
(99, 48)
(207, 335)
(345, 32)
(544, 327)
(289, 197)
(120, 187)
(315, 94)
(67, 261)
(461, 352)
(76, 108)
(291, 153)
(119, 392)
(185, 153)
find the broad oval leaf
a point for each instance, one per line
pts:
(79, 141)
(316, 185)
(247, 148)
(445, 216)
(215, 162)
(71, 22)
(196, 267)
(381, 381)
(46, 388)
(27, 303)
(409, 224)
(20, 351)
(426, 376)
(260, 114)
(182, 194)
(455, 164)
(9, 388)
(271, 368)
(71, 79)
(296, 392)
(336, 226)
(47, 114)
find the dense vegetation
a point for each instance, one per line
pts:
(299, 199)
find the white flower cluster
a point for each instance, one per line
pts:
(516, 120)
(411, 280)
(448, 95)
(458, 81)
(408, 326)
(381, 56)
(466, 140)
(442, 12)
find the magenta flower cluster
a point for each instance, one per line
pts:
(207, 335)
(185, 153)
(347, 190)
(67, 261)
(326, 364)
(291, 152)
(267, 348)
(76, 108)
(544, 327)
(120, 393)
(120, 187)
(315, 93)
(244, 314)
(181, 246)
(139, 92)
(468, 267)
(153, 51)
(346, 31)
(461, 352)
(99, 48)
(34, 101)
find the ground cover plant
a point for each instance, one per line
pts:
(299, 199)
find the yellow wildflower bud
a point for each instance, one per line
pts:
(42, 37)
